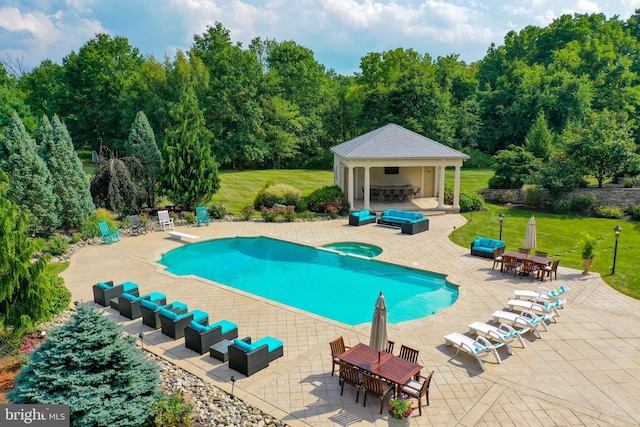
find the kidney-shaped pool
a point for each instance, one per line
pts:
(341, 287)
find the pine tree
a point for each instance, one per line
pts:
(25, 291)
(70, 183)
(141, 145)
(41, 136)
(31, 185)
(89, 364)
(191, 172)
(540, 138)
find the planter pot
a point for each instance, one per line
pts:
(586, 263)
(394, 422)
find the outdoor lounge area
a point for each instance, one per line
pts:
(591, 355)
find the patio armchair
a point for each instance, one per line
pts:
(165, 220)
(130, 306)
(377, 387)
(104, 292)
(151, 312)
(337, 347)
(173, 324)
(202, 215)
(350, 375)
(408, 353)
(418, 388)
(199, 338)
(108, 235)
(136, 225)
(249, 358)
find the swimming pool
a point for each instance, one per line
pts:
(342, 288)
(354, 248)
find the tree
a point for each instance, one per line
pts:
(90, 365)
(25, 294)
(191, 172)
(601, 144)
(41, 137)
(559, 175)
(512, 168)
(141, 145)
(31, 185)
(539, 139)
(70, 183)
(113, 188)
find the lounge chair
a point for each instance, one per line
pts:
(136, 225)
(524, 320)
(502, 333)
(104, 292)
(249, 358)
(199, 338)
(202, 215)
(541, 293)
(173, 324)
(539, 307)
(108, 235)
(130, 306)
(475, 347)
(151, 312)
(165, 220)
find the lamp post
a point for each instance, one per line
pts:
(501, 216)
(617, 230)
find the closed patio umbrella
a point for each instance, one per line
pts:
(530, 236)
(379, 325)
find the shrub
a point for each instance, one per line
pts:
(75, 238)
(634, 211)
(217, 210)
(189, 217)
(281, 194)
(328, 198)
(508, 196)
(58, 245)
(608, 211)
(561, 207)
(309, 216)
(628, 183)
(247, 212)
(533, 196)
(468, 202)
(288, 213)
(89, 229)
(582, 203)
(60, 296)
(90, 352)
(268, 214)
(172, 410)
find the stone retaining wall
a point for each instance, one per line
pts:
(614, 196)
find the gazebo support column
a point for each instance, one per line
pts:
(350, 185)
(456, 189)
(441, 188)
(367, 185)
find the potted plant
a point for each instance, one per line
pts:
(589, 244)
(399, 411)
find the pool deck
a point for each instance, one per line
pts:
(585, 370)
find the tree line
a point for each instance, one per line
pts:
(272, 105)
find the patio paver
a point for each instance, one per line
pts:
(585, 370)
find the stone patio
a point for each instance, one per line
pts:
(585, 370)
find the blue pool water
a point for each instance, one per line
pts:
(342, 288)
(355, 248)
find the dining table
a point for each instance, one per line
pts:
(379, 363)
(540, 261)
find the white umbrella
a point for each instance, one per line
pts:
(379, 325)
(530, 236)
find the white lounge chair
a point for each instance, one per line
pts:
(525, 319)
(474, 347)
(502, 333)
(165, 220)
(539, 307)
(541, 293)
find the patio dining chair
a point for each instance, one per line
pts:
(349, 374)
(408, 353)
(551, 271)
(497, 258)
(337, 347)
(529, 267)
(510, 263)
(525, 251)
(377, 387)
(390, 345)
(542, 254)
(418, 388)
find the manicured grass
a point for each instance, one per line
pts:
(471, 180)
(561, 236)
(238, 189)
(57, 268)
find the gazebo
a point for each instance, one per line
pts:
(395, 157)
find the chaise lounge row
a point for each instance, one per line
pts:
(176, 321)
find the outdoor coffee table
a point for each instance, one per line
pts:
(220, 350)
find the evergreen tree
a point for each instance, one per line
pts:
(31, 185)
(191, 172)
(539, 139)
(41, 136)
(89, 364)
(70, 183)
(113, 188)
(25, 293)
(141, 145)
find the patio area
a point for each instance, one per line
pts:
(585, 370)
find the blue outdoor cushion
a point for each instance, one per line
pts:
(103, 285)
(156, 296)
(225, 326)
(149, 304)
(168, 314)
(199, 315)
(177, 305)
(129, 286)
(243, 345)
(198, 327)
(272, 343)
(129, 297)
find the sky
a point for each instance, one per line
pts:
(339, 32)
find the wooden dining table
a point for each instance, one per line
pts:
(381, 364)
(541, 261)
